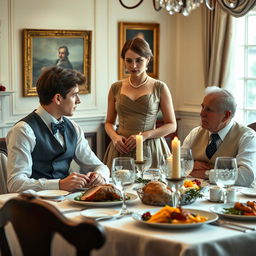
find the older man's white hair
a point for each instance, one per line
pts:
(225, 99)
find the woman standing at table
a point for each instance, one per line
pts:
(136, 102)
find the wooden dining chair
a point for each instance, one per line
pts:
(3, 172)
(3, 166)
(253, 126)
(35, 222)
(3, 146)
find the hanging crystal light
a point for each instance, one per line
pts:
(174, 6)
(181, 6)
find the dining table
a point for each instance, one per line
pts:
(129, 237)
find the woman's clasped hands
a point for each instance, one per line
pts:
(124, 145)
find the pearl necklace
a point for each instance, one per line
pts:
(139, 85)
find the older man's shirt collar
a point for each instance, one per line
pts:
(223, 132)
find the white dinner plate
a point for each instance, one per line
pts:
(99, 212)
(72, 197)
(219, 209)
(248, 192)
(211, 218)
(52, 193)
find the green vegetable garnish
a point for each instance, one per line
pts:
(232, 211)
(190, 195)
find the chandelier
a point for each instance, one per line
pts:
(174, 6)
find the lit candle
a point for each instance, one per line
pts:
(139, 148)
(169, 166)
(176, 173)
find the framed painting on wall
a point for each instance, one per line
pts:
(147, 31)
(64, 48)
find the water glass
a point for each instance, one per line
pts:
(123, 175)
(186, 155)
(162, 166)
(225, 173)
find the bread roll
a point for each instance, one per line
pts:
(156, 193)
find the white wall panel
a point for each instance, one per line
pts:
(180, 53)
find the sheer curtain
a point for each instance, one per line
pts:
(217, 28)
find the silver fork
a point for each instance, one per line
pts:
(231, 225)
(237, 225)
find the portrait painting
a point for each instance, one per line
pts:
(69, 49)
(147, 31)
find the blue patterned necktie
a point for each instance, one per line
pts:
(60, 126)
(212, 147)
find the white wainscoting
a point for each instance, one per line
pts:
(188, 121)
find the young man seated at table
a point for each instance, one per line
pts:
(219, 135)
(42, 145)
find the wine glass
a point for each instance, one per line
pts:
(188, 161)
(123, 175)
(225, 173)
(162, 166)
(144, 165)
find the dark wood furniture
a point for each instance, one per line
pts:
(92, 140)
(3, 146)
(35, 223)
(253, 126)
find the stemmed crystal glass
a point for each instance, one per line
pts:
(225, 173)
(188, 161)
(174, 183)
(123, 175)
(144, 165)
(162, 166)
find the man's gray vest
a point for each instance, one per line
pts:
(50, 159)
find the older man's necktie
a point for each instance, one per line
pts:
(212, 147)
(60, 126)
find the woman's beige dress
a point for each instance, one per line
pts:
(135, 117)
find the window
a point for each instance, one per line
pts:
(242, 75)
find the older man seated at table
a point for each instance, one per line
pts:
(42, 145)
(219, 135)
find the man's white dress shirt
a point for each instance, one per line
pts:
(21, 141)
(246, 157)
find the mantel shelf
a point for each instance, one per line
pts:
(6, 93)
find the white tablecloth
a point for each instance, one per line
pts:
(125, 237)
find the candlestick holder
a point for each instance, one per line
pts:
(139, 165)
(145, 164)
(175, 185)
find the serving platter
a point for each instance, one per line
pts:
(72, 197)
(210, 215)
(220, 210)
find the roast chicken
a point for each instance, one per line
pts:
(101, 193)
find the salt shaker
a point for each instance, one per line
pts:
(231, 195)
(215, 194)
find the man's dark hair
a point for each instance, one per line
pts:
(55, 80)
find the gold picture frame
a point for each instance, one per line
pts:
(40, 48)
(148, 31)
